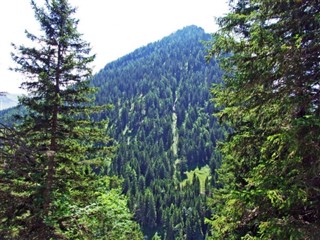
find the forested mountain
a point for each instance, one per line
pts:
(60, 171)
(166, 135)
(162, 125)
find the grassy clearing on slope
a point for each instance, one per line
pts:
(201, 173)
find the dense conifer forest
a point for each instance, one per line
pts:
(195, 136)
(53, 155)
(270, 97)
(166, 135)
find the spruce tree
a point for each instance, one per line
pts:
(53, 163)
(270, 97)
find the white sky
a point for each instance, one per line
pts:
(114, 28)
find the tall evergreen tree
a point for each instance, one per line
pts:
(270, 174)
(52, 164)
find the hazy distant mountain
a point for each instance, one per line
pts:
(8, 100)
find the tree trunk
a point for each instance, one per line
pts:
(53, 142)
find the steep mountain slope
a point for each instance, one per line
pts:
(162, 122)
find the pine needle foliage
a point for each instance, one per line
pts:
(53, 164)
(270, 52)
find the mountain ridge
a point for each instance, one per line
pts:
(137, 52)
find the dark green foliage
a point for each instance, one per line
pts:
(53, 161)
(162, 123)
(11, 115)
(270, 170)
